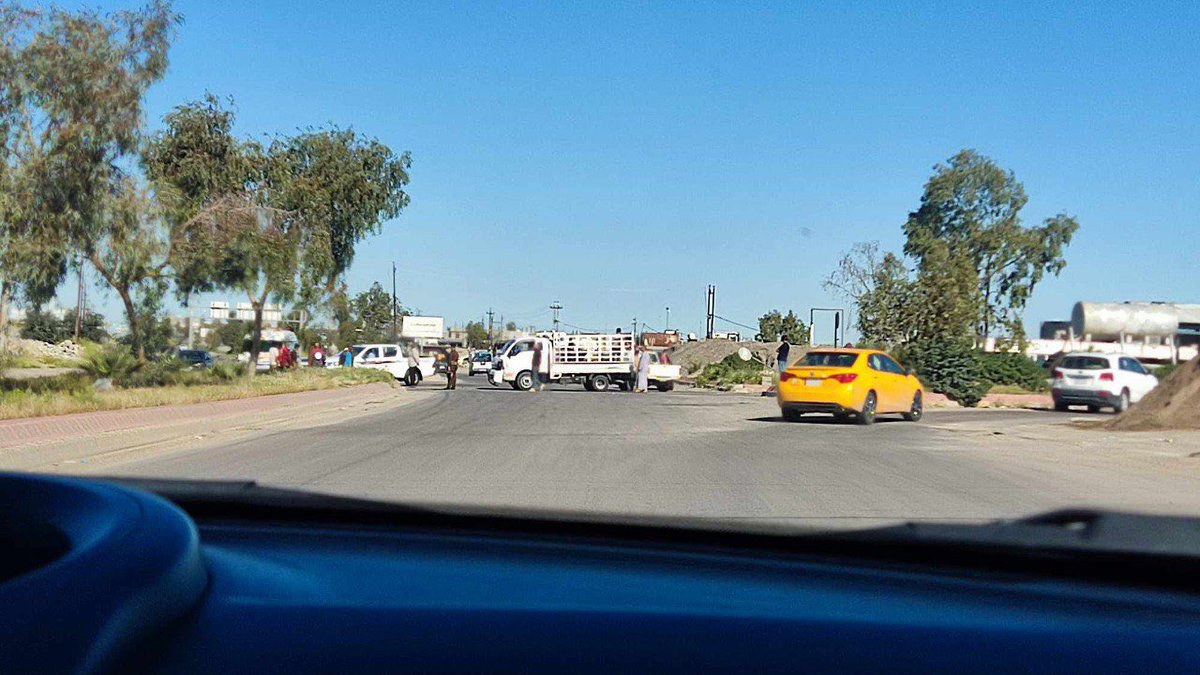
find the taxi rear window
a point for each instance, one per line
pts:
(830, 359)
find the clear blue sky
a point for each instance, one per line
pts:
(619, 157)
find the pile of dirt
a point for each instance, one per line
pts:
(1173, 404)
(693, 356)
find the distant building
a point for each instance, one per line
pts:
(1155, 332)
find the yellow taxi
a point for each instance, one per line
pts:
(845, 382)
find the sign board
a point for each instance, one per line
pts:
(423, 327)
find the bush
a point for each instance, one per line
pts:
(161, 373)
(112, 361)
(69, 382)
(227, 372)
(950, 367)
(1164, 371)
(1015, 370)
(730, 371)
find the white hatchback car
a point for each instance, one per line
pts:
(1100, 381)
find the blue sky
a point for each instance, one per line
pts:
(619, 157)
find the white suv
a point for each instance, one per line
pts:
(1100, 381)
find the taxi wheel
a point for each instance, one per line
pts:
(791, 415)
(866, 416)
(914, 414)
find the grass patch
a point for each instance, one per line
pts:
(73, 394)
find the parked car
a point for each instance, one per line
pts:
(391, 358)
(663, 374)
(1100, 381)
(196, 358)
(481, 362)
(849, 382)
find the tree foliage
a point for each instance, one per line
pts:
(774, 326)
(373, 315)
(477, 335)
(71, 89)
(948, 366)
(39, 325)
(971, 207)
(278, 222)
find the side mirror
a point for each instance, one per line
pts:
(908, 372)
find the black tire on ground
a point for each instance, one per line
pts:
(790, 415)
(599, 382)
(587, 384)
(866, 416)
(623, 385)
(1061, 407)
(412, 377)
(665, 386)
(918, 409)
(1122, 402)
(523, 380)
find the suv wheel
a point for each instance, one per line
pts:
(1122, 402)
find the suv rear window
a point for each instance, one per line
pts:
(1084, 363)
(830, 359)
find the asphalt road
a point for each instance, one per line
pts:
(698, 454)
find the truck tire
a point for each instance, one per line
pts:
(664, 386)
(599, 382)
(523, 380)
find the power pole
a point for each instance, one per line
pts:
(490, 315)
(556, 306)
(79, 302)
(711, 304)
(668, 326)
(635, 329)
(395, 333)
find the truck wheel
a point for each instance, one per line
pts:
(587, 384)
(664, 386)
(523, 381)
(599, 382)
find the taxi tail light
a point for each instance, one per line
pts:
(787, 377)
(844, 378)
(1106, 377)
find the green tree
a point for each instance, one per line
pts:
(477, 335)
(278, 222)
(972, 206)
(130, 251)
(510, 326)
(231, 334)
(882, 291)
(373, 315)
(71, 89)
(91, 326)
(39, 325)
(774, 326)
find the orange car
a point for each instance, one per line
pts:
(845, 382)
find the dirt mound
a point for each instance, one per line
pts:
(1173, 404)
(695, 355)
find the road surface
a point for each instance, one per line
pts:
(699, 454)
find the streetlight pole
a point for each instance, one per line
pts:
(394, 331)
(668, 326)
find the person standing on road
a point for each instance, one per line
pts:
(643, 371)
(452, 369)
(781, 357)
(536, 368)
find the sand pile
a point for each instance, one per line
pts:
(1173, 404)
(695, 355)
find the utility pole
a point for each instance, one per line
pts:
(668, 326)
(711, 304)
(395, 333)
(79, 302)
(490, 315)
(556, 306)
(635, 329)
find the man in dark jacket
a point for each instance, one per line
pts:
(782, 356)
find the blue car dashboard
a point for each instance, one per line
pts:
(99, 577)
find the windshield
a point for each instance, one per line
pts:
(893, 261)
(829, 359)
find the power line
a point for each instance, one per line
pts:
(717, 316)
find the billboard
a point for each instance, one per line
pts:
(423, 327)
